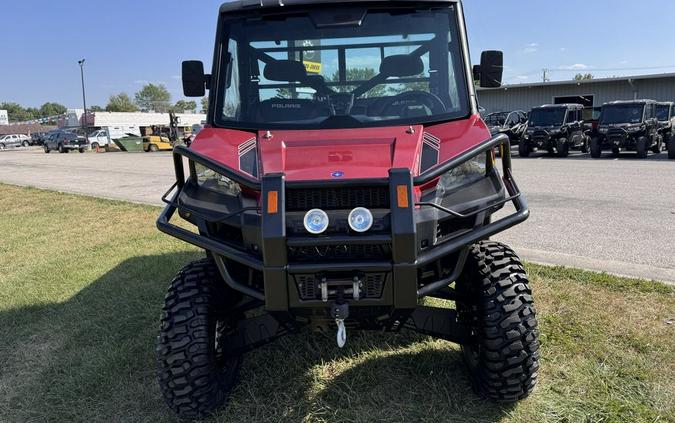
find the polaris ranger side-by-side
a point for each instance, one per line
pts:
(665, 114)
(344, 175)
(556, 128)
(628, 126)
(512, 124)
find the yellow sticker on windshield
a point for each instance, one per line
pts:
(312, 67)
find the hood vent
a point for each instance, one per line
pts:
(430, 152)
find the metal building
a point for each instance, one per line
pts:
(590, 93)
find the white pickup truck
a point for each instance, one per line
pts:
(104, 137)
(14, 140)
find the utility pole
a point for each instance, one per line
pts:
(84, 96)
(546, 77)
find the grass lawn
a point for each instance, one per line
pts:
(82, 281)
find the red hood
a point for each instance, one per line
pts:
(328, 154)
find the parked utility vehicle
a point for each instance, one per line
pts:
(64, 142)
(628, 126)
(344, 175)
(512, 124)
(665, 113)
(556, 128)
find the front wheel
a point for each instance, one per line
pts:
(562, 147)
(497, 303)
(671, 147)
(25, 144)
(2, 146)
(524, 149)
(46, 149)
(81, 150)
(641, 147)
(195, 373)
(153, 148)
(596, 148)
(94, 146)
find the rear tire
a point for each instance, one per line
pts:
(3, 146)
(153, 148)
(562, 147)
(641, 147)
(596, 148)
(524, 149)
(504, 359)
(61, 149)
(195, 375)
(81, 150)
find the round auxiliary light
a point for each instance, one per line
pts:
(360, 219)
(316, 221)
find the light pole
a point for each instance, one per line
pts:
(84, 96)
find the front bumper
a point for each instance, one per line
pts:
(302, 288)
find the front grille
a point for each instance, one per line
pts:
(337, 198)
(372, 286)
(340, 252)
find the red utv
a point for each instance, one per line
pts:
(343, 176)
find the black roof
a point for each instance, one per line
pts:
(239, 5)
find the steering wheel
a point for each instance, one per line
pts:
(397, 105)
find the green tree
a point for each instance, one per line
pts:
(154, 97)
(121, 103)
(52, 109)
(96, 109)
(583, 76)
(18, 113)
(360, 74)
(184, 106)
(205, 104)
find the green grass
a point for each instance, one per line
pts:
(82, 282)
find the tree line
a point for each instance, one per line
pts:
(152, 97)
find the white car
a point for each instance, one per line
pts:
(14, 141)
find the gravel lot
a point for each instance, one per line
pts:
(614, 215)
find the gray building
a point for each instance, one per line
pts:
(590, 93)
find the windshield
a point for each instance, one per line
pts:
(496, 119)
(629, 113)
(399, 66)
(663, 112)
(547, 117)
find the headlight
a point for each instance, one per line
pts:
(316, 221)
(635, 128)
(603, 130)
(214, 181)
(464, 174)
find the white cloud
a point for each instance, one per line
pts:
(531, 48)
(577, 66)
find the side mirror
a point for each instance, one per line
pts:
(490, 70)
(194, 79)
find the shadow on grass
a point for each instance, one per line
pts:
(91, 358)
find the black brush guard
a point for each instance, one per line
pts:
(404, 293)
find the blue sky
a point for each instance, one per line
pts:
(128, 43)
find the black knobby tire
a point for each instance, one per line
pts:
(671, 147)
(195, 375)
(504, 358)
(562, 147)
(641, 147)
(524, 149)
